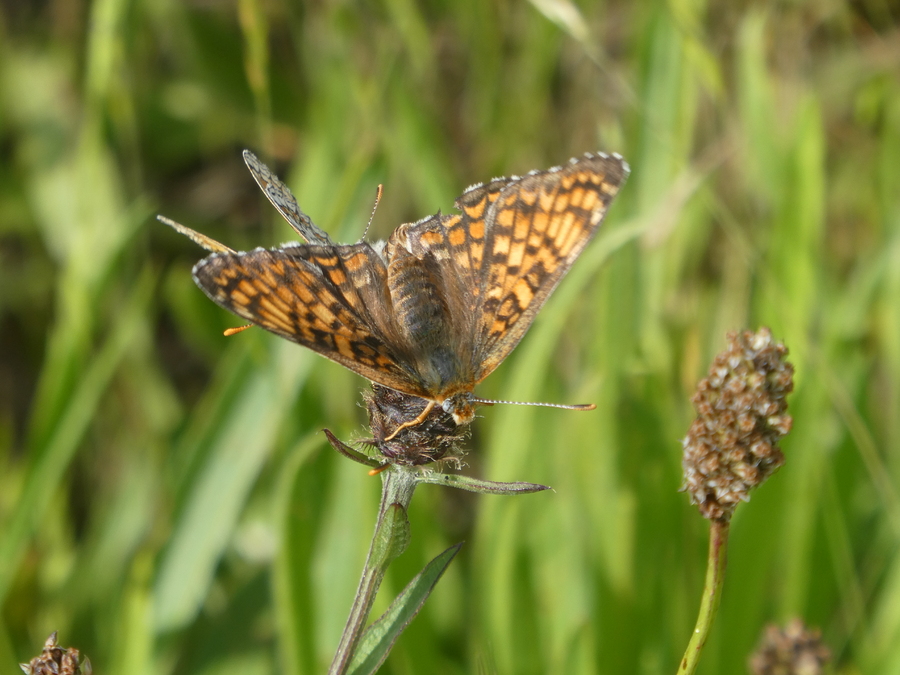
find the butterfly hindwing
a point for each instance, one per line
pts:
(283, 199)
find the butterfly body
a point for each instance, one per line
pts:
(435, 309)
(425, 314)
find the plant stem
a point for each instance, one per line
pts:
(389, 540)
(712, 595)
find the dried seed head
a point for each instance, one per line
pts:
(436, 437)
(732, 446)
(55, 660)
(793, 650)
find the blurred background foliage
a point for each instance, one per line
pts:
(167, 501)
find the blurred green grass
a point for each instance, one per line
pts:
(166, 499)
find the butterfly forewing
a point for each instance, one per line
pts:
(535, 229)
(466, 232)
(325, 298)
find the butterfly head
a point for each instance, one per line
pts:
(461, 406)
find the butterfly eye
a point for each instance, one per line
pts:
(448, 406)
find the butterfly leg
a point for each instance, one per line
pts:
(412, 423)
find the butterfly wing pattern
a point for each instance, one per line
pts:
(443, 302)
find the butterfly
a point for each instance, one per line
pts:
(434, 310)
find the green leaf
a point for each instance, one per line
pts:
(348, 452)
(487, 487)
(53, 459)
(392, 536)
(378, 638)
(222, 486)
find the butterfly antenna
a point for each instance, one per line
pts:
(378, 194)
(234, 331)
(577, 406)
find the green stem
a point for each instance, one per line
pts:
(712, 595)
(389, 540)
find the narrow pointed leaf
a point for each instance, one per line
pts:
(377, 640)
(483, 486)
(348, 452)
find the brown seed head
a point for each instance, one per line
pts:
(55, 660)
(436, 437)
(793, 650)
(732, 446)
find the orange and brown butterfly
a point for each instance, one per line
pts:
(435, 309)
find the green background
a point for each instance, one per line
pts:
(167, 499)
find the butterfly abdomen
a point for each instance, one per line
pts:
(418, 302)
(421, 310)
